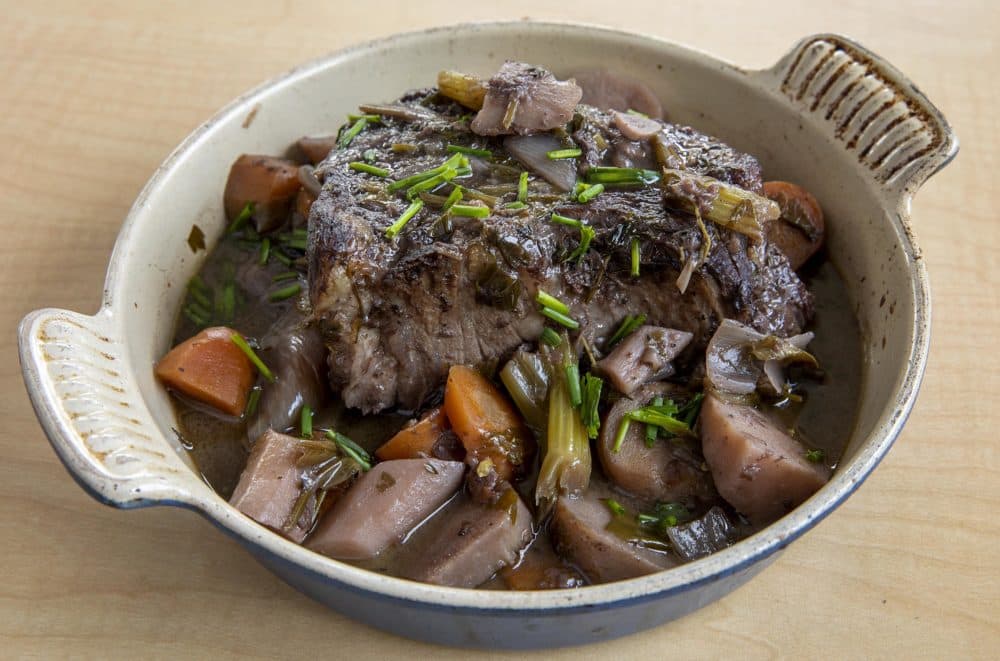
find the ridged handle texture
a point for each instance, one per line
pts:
(93, 414)
(870, 107)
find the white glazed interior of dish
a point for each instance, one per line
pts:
(868, 239)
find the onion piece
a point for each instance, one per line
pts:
(737, 355)
(307, 177)
(532, 151)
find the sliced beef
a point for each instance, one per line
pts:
(645, 355)
(758, 468)
(579, 527)
(524, 99)
(384, 505)
(398, 313)
(271, 484)
(672, 470)
(466, 544)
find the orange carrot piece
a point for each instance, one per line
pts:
(211, 369)
(799, 230)
(414, 441)
(486, 422)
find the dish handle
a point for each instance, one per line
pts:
(870, 107)
(93, 414)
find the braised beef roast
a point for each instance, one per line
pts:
(460, 290)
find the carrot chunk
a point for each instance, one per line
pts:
(415, 441)
(799, 230)
(486, 422)
(210, 369)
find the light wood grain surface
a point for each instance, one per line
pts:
(93, 95)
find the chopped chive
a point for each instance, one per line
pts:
(573, 384)
(636, 113)
(204, 312)
(453, 197)
(430, 184)
(589, 414)
(616, 508)
(547, 300)
(522, 188)
(689, 412)
(199, 297)
(451, 164)
(252, 401)
(550, 337)
(635, 258)
(281, 257)
(578, 188)
(241, 218)
(565, 220)
(307, 421)
(464, 171)
(629, 324)
(286, 275)
(815, 456)
(195, 318)
(652, 431)
(285, 292)
(558, 154)
(225, 304)
(621, 434)
(610, 175)
(470, 211)
(586, 236)
(351, 449)
(352, 132)
(197, 283)
(300, 232)
(265, 251)
(515, 205)
(459, 149)
(252, 355)
(589, 193)
(371, 118)
(361, 166)
(410, 212)
(662, 416)
(298, 243)
(560, 318)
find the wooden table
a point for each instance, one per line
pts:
(93, 95)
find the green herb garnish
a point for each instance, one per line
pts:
(522, 188)
(589, 193)
(352, 132)
(286, 275)
(661, 416)
(410, 212)
(370, 169)
(572, 370)
(470, 211)
(634, 272)
(689, 412)
(566, 220)
(610, 175)
(252, 401)
(351, 449)
(629, 324)
(515, 205)
(652, 431)
(285, 292)
(265, 251)
(306, 424)
(586, 236)
(549, 301)
(241, 218)
(238, 340)
(815, 456)
(589, 415)
(453, 198)
(558, 154)
(616, 508)
(452, 163)
(352, 117)
(459, 149)
(560, 318)
(430, 184)
(550, 337)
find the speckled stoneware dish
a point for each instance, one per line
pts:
(829, 115)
